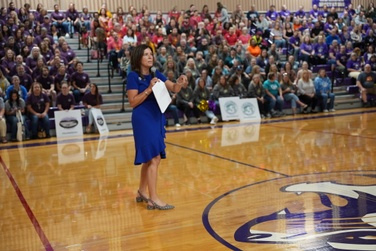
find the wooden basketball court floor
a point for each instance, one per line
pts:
(294, 183)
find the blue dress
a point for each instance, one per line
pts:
(147, 121)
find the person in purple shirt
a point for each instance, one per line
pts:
(19, 61)
(341, 59)
(48, 84)
(295, 42)
(329, 26)
(60, 78)
(300, 13)
(38, 104)
(354, 66)
(92, 99)
(324, 12)
(85, 18)
(3, 16)
(11, 7)
(73, 18)
(59, 19)
(32, 59)
(67, 53)
(271, 14)
(43, 34)
(12, 26)
(314, 13)
(37, 71)
(284, 13)
(8, 62)
(80, 82)
(321, 51)
(306, 50)
(65, 100)
(372, 62)
(25, 79)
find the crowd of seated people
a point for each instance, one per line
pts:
(38, 68)
(234, 47)
(226, 52)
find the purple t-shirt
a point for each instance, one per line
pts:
(38, 103)
(295, 41)
(272, 15)
(73, 15)
(357, 65)
(81, 79)
(68, 54)
(321, 49)
(300, 14)
(284, 13)
(46, 82)
(342, 58)
(65, 101)
(306, 47)
(26, 80)
(57, 15)
(90, 99)
(314, 13)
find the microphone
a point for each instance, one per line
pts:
(152, 70)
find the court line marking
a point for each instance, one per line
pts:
(46, 243)
(227, 159)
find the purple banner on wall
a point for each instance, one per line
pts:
(335, 3)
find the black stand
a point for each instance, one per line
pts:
(109, 77)
(98, 58)
(123, 98)
(79, 41)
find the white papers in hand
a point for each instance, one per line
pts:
(161, 95)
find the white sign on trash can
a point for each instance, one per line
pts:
(99, 120)
(68, 123)
(229, 108)
(249, 110)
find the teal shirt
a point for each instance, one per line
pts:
(272, 86)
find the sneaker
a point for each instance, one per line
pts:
(325, 110)
(214, 121)
(177, 125)
(262, 116)
(268, 116)
(332, 110)
(67, 35)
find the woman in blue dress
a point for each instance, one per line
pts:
(148, 122)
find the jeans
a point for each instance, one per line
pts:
(174, 112)
(291, 97)
(324, 100)
(272, 103)
(13, 126)
(66, 25)
(44, 123)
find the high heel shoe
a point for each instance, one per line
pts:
(156, 206)
(141, 198)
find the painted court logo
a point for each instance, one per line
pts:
(346, 227)
(332, 211)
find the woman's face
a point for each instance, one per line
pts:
(147, 58)
(222, 80)
(201, 83)
(14, 96)
(36, 89)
